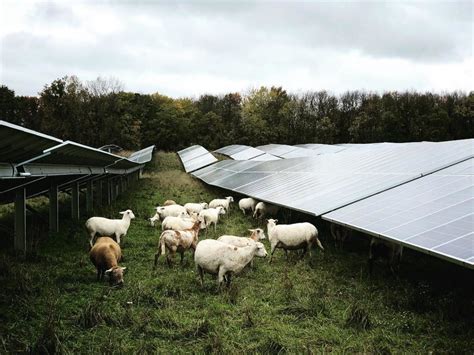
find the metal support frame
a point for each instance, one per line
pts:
(53, 207)
(108, 191)
(20, 220)
(75, 200)
(120, 185)
(89, 197)
(99, 192)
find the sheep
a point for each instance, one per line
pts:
(215, 257)
(112, 227)
(263, 210)
(179, 223)
(177, 241)
(105, 255)
(195, 207)
(247, 204)
(169, 203)
(393, 251)
(172, 210)
(292, 236)
(340, 234)
(256, 235)
(223, 202)
(211, 215)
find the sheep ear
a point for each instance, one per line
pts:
(108, 271)
(266, 220)
(123, 212)
(276, 221)
(251, 230)
(124, 268)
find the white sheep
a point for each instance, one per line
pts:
(223, 202)
(292, 236)
(215, 257)
(256, 235)
(211, 216)
(263, 210)
(179, 223)
(195, 207)
(247, 203)
(171, 210)
(109, 227)
(393, 250)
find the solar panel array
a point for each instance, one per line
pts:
(244, 152)
(434, 213)
(326, 182)
(28, 157)
(195, 157)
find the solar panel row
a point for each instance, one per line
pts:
(327, 182)
(244, 152)
(195, 157)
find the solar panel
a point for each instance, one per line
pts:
(434, 214)
(243, 152)
(142, 156)
(264, 157)
(195, 157)
(18, 144)
(323, 148)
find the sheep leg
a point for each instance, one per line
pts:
(272, 251)
(99, 274)
(215, 226)
(305, 249)
(182, 256)
(243, 210)
(157, 255)
(286, 254)
(228, 279)
(118, 238)
(91, 241)
(221, 276)
(201, 274)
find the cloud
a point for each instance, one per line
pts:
(188, 48)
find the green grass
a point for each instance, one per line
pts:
(51, 301)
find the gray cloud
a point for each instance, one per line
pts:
(196, 47)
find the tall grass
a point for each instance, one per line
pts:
(52, 302)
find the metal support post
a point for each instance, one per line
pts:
(75, 200)
(89, 197)
(53, 207)
(20, 220)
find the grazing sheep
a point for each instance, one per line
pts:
(292, 236)
(379, 247)
(223, 202)
(172, 210)
(210, 216)
(257, 234)
(340, 234)
(112, 227)
(177, 241)
(169, 203)
(179, 223)
(263, 210)
(247, 204)
(105, 255)
(215, 257)
(195, 207)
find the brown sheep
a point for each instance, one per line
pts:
(169, 203)
(105, 255)
(178, 241)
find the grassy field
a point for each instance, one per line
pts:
(51, 302)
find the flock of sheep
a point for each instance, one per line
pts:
(224, 256)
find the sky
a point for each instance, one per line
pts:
(208, 47)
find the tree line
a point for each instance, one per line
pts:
(100, 112)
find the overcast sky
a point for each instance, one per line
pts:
(199, 47)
